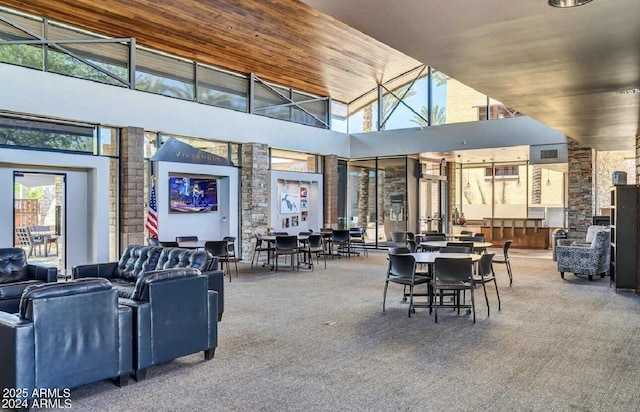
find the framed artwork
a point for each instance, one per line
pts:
(289, 202)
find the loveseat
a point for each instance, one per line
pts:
(173, 298)
(65, 335)
(16, 274)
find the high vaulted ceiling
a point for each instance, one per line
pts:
(563, 67)
(282, 41)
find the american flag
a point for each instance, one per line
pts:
(152, 217)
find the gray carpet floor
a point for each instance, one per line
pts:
(319, 341)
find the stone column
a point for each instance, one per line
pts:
(580, 193)
(132, 187)
(331, 191)
(254, 195)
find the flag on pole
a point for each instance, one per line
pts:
(152, 217)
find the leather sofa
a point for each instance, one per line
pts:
(65, 335)
(175, 308)
(16, 274)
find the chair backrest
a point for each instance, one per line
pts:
(468, 245)
(304, 233)
(315, 241)
(484, 266)
(399, 250)
(340, 235)
(592, 230)
(411, 236)
(186, 238)
(217, 248)
(434, 237)
(466, 232)
(168, 244)
(451, 270)
(286, 243)
(357, 232)
(258, 239)
(23, 236)
(14, 265)
(479, 237)
(505, 248)
(454, 249)
(402, 265)
(413, 245)
(152, 241)
(279, 233)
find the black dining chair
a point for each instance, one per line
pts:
(438, 237)
(258, 248)
(286, 246)
(467, 245)
(341, 239)
(313, 246)
(505, 260)
(452, 275)
(357, 239)
(402, 270)
(220, 249)
(485, 275)
(231, 249)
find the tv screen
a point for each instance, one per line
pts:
(192, 194)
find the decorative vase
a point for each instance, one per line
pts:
(462, 220)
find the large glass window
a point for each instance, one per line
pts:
(40, 134)
(405, 101)
(295, 161)
(392, 196)
(222, 89)
(210, 146)
(169, 76)
(460, 102)
(362, 196)
(339, 121)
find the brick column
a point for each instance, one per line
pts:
(131, 187)
(331, 191)
(254, 195)
(581, 194)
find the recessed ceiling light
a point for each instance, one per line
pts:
(568, 3)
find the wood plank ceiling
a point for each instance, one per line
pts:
(283, 41)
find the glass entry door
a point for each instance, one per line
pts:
(430, 218)
(39, 216)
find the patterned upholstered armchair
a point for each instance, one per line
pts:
(591, 232)
(585, 259)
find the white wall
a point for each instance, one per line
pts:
(49, 94)
(290, 182)
(87, 200)
(207, 226)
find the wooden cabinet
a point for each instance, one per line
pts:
(624, 228)
(524, 232)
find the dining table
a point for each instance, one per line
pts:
(437, 244)
(192, 244)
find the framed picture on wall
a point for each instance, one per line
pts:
(303, 192)
(294, 220)
(304, 216)
(289, 202)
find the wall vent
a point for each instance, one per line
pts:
(549, 154)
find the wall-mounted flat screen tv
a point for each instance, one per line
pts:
(193, 194)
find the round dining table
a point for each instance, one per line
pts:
(436, 244)
(429, 258)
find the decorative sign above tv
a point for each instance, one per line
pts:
(174, 150)
(192, 194)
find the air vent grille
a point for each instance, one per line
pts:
(549, 154)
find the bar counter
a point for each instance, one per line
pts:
(525, 232)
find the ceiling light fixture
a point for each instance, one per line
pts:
(630, 91)
(568, 3)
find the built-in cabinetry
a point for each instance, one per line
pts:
(624, 227)
(524, 232)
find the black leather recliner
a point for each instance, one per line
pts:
(66, 334)
(16, 274)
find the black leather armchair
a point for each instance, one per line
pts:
(65, 335)
(174, 315)
(16, 274)
(175, 308)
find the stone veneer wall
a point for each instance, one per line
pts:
(131, 187)
(331, 191)
(581, 195)
(254, 195)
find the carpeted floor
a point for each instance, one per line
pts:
(319, 341)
